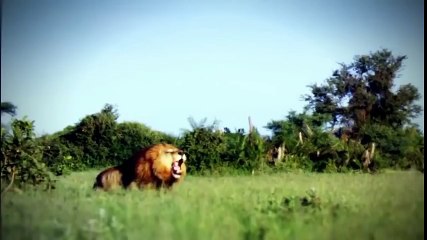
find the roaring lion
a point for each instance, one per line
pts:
(156, 166)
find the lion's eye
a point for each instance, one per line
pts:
(172, 151)
(169, 151)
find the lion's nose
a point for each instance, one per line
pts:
(181, 152)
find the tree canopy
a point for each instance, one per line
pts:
(8, 108)
(362, 92)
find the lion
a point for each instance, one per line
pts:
(156, 166)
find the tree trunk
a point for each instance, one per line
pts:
(367, 157)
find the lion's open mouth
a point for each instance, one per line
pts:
(176, 168)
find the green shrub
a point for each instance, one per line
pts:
(97, 141)
(204, 147)
(61, 158)
(397, 147)
(21, 156)
(132, 136)
(253, 152)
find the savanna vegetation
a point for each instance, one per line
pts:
(279, 206)
(355, 122)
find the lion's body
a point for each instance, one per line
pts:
(109, 178)
(151, 167)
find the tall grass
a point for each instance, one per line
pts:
(275, 206)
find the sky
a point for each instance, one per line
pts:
(161, 62)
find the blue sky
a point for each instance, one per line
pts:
(160, 62)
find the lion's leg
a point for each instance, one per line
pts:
(132, 186)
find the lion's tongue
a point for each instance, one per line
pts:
(176, 168)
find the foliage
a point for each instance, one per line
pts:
(131, 136)
(21, 156)
(361, 93)
(60, 156)
(8, 108)
(244, 151)
(306, 142)
(97, 141)
(402, 148)
(252, 153)
(359, 107)
(95, 135)
(204, 146)
(355, 108)
(287, 131)
(210, 149)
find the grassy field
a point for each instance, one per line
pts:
(336, 206)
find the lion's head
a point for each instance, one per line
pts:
(171, 158)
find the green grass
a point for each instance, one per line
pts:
(352, 206)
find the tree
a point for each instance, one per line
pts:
(361, 93)
(361, 108)
(8, 108)
(360, 100)
(21, 157)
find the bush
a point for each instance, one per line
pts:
(397, 147)
(97, 141)
(252, 154)
(246, 152)
(132, 136)
(22, 156)
(61, 158)
(94, 135)
(204, 147)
